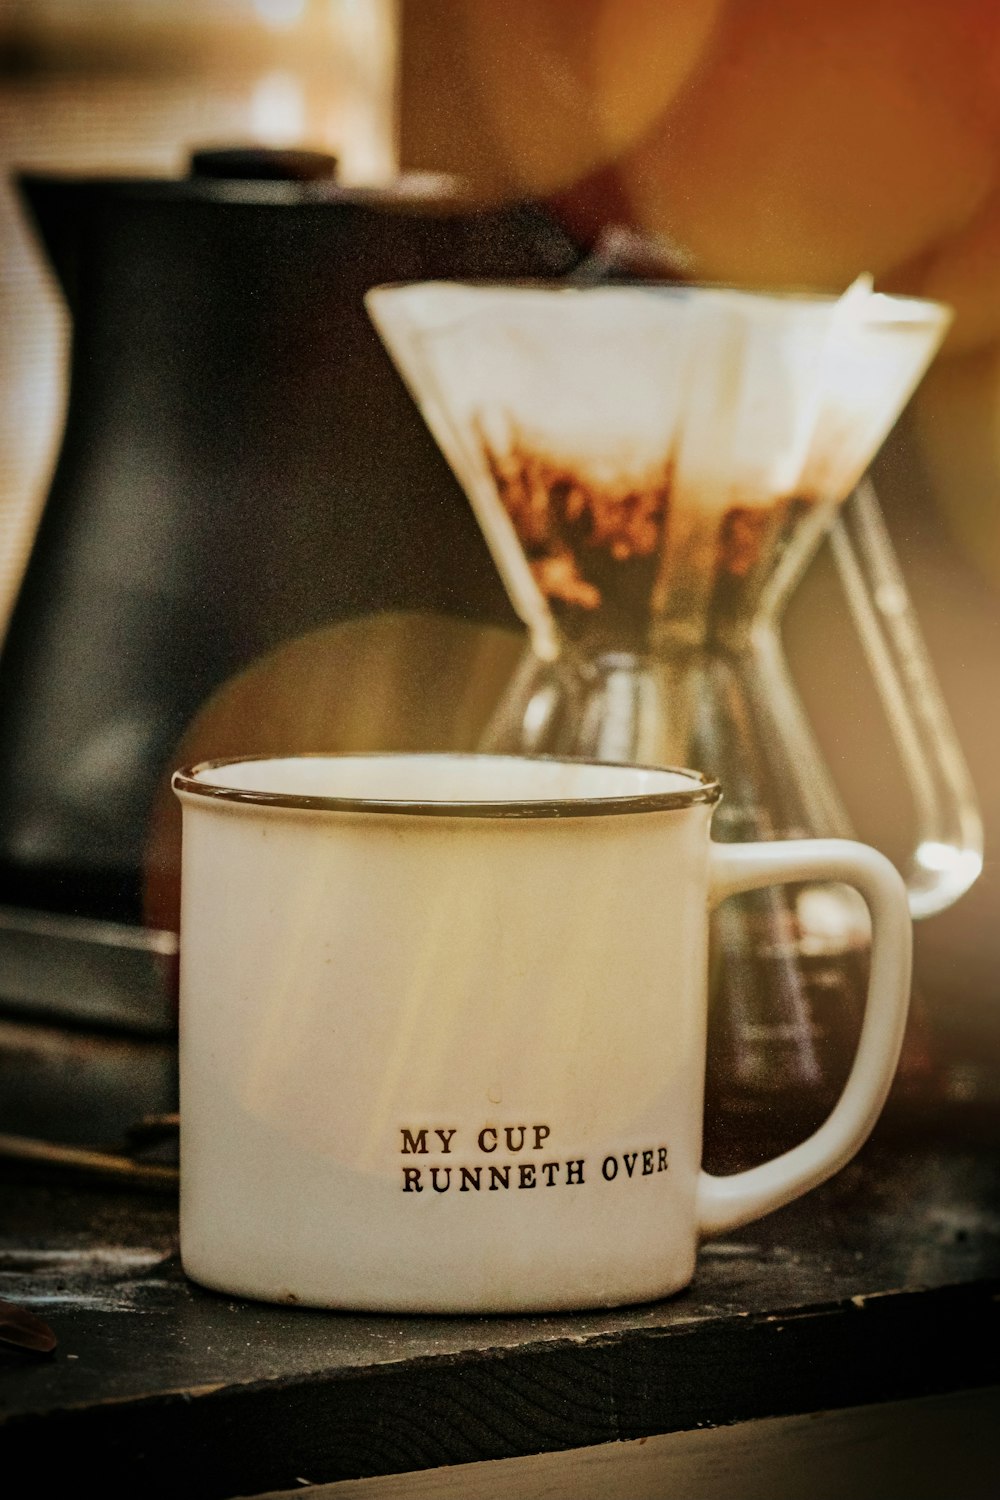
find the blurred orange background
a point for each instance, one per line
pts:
(775, 144)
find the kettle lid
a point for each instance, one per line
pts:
(262, 164)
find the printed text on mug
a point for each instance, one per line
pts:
(477, 1175)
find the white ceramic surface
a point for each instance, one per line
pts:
(443, 1030)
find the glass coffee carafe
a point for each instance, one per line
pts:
(654, 468)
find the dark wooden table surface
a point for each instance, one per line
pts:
(883, 1285)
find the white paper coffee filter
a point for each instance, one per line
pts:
(876, 357)
(752, 399)
(739, 398)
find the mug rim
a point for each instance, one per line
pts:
(703, 789)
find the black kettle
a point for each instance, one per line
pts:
(240, 464)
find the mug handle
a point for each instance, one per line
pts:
(727, 1202)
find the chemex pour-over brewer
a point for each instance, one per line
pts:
(653, 468)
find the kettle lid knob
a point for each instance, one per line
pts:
(262, 164)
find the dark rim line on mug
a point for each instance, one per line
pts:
(703, 789)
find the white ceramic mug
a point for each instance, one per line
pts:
(443, 1028)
